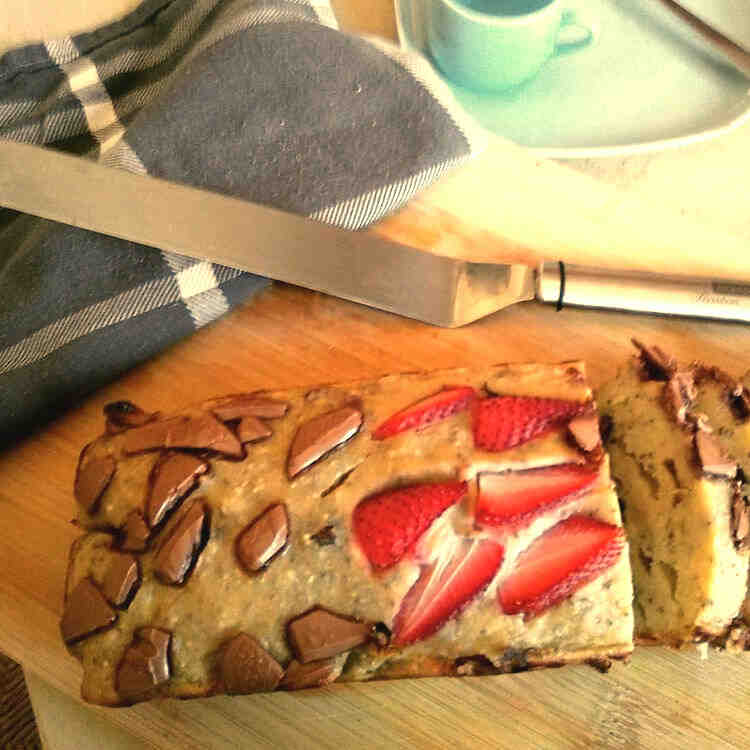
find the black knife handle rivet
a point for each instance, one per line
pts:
(561, 267)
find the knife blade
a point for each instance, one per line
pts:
(356, 266)
(735, 53)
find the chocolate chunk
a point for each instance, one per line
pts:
(313, 674)
(263, 538)
(202, 432)
(474, 666)
(320, 634)
(738, 638)
(248, 405)
(145, 664)
(712, 457)
(606, 425)
(92, 478)
(135, 533)
(321, 434)
(179, 551)
(252, 429)
(679, 394)
(702, 372)
(514, 660)
(122, 415)
(172, 478)
(325, 537)
(246, 667)
(381, 635)
(86, 611)
(601, 665)
(741, 522)
(739, 402)
(657, 365)
(585, 431)
(120, 580)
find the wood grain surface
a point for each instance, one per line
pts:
(505, 205)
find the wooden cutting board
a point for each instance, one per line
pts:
(292, 337)
(504, 206)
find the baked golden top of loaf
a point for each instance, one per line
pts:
(430, 523)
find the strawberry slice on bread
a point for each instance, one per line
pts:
(388, 525)
(445, 586)
(571, 554)
(427, 411)
(503, 422)
(514, 499)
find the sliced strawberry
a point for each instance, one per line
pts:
(571, 554)
(515, 498)
(389, 524)
(445, 587)
(432, 409)
(506, 421)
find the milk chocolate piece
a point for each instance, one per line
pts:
(251, 429)
(248, 405)
(86, 611)
(201, 432)
(92, 478)
(712, 457)
(600, 665)
(122, 415)
(679, 394)
(172, 478)
(321, 434)
(263, 538)
(320, 634)
(179, 551)
(739, 401)
(313, 674)
(135, 533)
(585, 431)
(246, 667)
(741, 522)
(657, 365)
(120, 580)
(145, 664)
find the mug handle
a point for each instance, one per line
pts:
(577, 37)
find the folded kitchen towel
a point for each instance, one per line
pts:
(260, 99)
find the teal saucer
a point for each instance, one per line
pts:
(648, 82)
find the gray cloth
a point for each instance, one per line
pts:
(266, 101)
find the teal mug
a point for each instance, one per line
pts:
(492, 45)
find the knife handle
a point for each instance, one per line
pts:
(567, 284)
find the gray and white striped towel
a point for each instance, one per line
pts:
(260, 99)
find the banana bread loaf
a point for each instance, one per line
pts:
(444, 523)
(678, 438)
